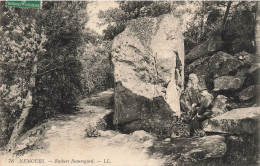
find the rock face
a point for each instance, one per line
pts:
(228, 83)
(204, 49)
(207, 150)
(225, 72)
(246, 57)
(238, 121)
(222, 64)
(247, 93)
(148, 59)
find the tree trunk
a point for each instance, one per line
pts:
(257, 41)
(226, 15)
(18, 126)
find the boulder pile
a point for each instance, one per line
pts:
(231, 75)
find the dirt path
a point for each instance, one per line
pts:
(66, 144)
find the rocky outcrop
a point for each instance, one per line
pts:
(192, 151)
(197, 63)
(228, 83)
(241, 129)
(247, 93)
(233, 139)
(242, 150)
(204, 49)
(246, 57)
(232, 73)
(148, 59)
(222, 64)
(238, 121)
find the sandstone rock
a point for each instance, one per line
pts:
(222, 64)
(248, 93)
(193, 151)
(197, 63)
(245, 104)
(240, 44)
(228, 83)
(254, 68)
(159, 121)
(31, 138)
(245, 57)
(238, 121)
(242, 150)
(203, 69)
(148, 59)
(204, 49)
(214, 44)
(241, 72)
(249, 70)
(219, 106)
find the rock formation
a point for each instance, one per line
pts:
(229, 74)
(238, 121)
(148, 59)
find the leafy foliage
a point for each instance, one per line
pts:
(117, 18)
(97, 74)
(237, 31)
(56, 35)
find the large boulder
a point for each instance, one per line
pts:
(207, 150)
(197, 63)
(240, 44)
(228, 83)
(238, 121)
(251, 64)
(222, 64)
(204, 49)
(246, 57)
(247, 93)
(148, 59)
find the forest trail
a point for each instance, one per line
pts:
(64, 143)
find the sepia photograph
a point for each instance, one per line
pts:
(129, 83)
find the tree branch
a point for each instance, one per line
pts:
(226, 15)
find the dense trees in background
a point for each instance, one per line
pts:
(117, 18)
(97, 73)
(40, 70)
(49, 60)
(234, 22)
(228, 26)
